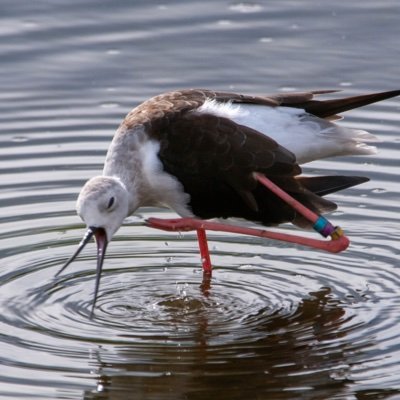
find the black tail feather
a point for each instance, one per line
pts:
(326, 108)
(323, 185)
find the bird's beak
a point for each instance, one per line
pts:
(101, 241)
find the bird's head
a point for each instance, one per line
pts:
(103, 204)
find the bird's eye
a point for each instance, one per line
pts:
(111, 202)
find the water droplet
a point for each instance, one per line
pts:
(19, 139)
(113, 52)
(339, 374)
(30, 24)
(246, 7)
(100, 387)
(109, 105)
(379, 190)
(266, 40)
(224, 22)
(246, 267)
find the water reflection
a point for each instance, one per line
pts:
(305, 354)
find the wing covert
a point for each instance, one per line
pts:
(204, 150)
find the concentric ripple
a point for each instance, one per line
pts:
(274, 317)
(148, 304)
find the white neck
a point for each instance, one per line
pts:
(133, 158)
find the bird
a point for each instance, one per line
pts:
(208, 154)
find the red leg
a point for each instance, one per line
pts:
(321, 224)
(304, 211)
(204, 253)
(338, 243)
(190, 224)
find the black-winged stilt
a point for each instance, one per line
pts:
(207, 154)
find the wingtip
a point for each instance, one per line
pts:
(358, 180)
(325, 91)
(323, 185)
(327, 108)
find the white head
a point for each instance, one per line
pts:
(103, 204)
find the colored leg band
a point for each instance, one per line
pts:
(323, 226)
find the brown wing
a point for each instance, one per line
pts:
(169, 105)
(306, 100)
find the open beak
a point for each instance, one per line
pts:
(101, 241)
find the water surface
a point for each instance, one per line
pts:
(275, 321)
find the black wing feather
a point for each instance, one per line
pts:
(214, 158)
